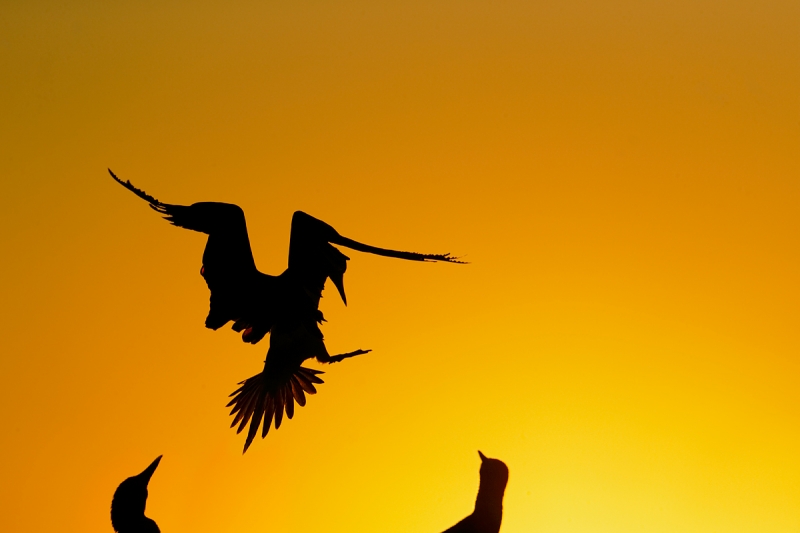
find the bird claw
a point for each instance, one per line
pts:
(341, 357)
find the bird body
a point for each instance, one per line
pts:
(129, 502)
(488, 513)
(285, 306)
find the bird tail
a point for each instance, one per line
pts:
(265, 396)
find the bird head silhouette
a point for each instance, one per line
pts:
(488, 513)
(494, 475)
(128, 504)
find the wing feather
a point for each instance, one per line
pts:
(313, 259)
(228, 265)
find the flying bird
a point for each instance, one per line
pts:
(285, 306)
(128, 504)
(488, 513)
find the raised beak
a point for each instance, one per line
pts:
(483, 457)
(148, 472)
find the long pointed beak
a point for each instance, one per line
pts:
(148, 472)
(338, 281)
(483, 457)
(411, 256)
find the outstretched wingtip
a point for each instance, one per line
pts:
(138, 192)
(445, 258)
(411, 256)
(111, 172)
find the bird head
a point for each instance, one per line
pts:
(130, 499)
(494, 473)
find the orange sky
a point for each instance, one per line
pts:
(623, 176)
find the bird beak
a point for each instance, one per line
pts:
(338, 280)
(148, 472)
(483, 457)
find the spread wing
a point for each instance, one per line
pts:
(228, 265)
(313, 259)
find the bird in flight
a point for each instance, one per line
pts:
(488, 513)
(128, 504)
(285, 306)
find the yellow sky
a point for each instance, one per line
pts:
(624, 178)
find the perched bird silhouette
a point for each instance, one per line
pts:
(130, 499)
(286, 306)
(488, 513)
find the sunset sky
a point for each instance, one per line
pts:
(622, 176)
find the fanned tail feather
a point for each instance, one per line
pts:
(264, 398)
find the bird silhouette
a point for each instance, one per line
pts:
(286, 306)
(488, 513)
(128, 504)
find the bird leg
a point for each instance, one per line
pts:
(341, 357)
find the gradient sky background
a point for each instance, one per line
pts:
(623, 176)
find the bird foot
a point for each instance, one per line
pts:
(341, 357)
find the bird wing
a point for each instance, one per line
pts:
(313, 259)
(228, 265)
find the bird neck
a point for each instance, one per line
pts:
(139, 524)
(489, 502)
